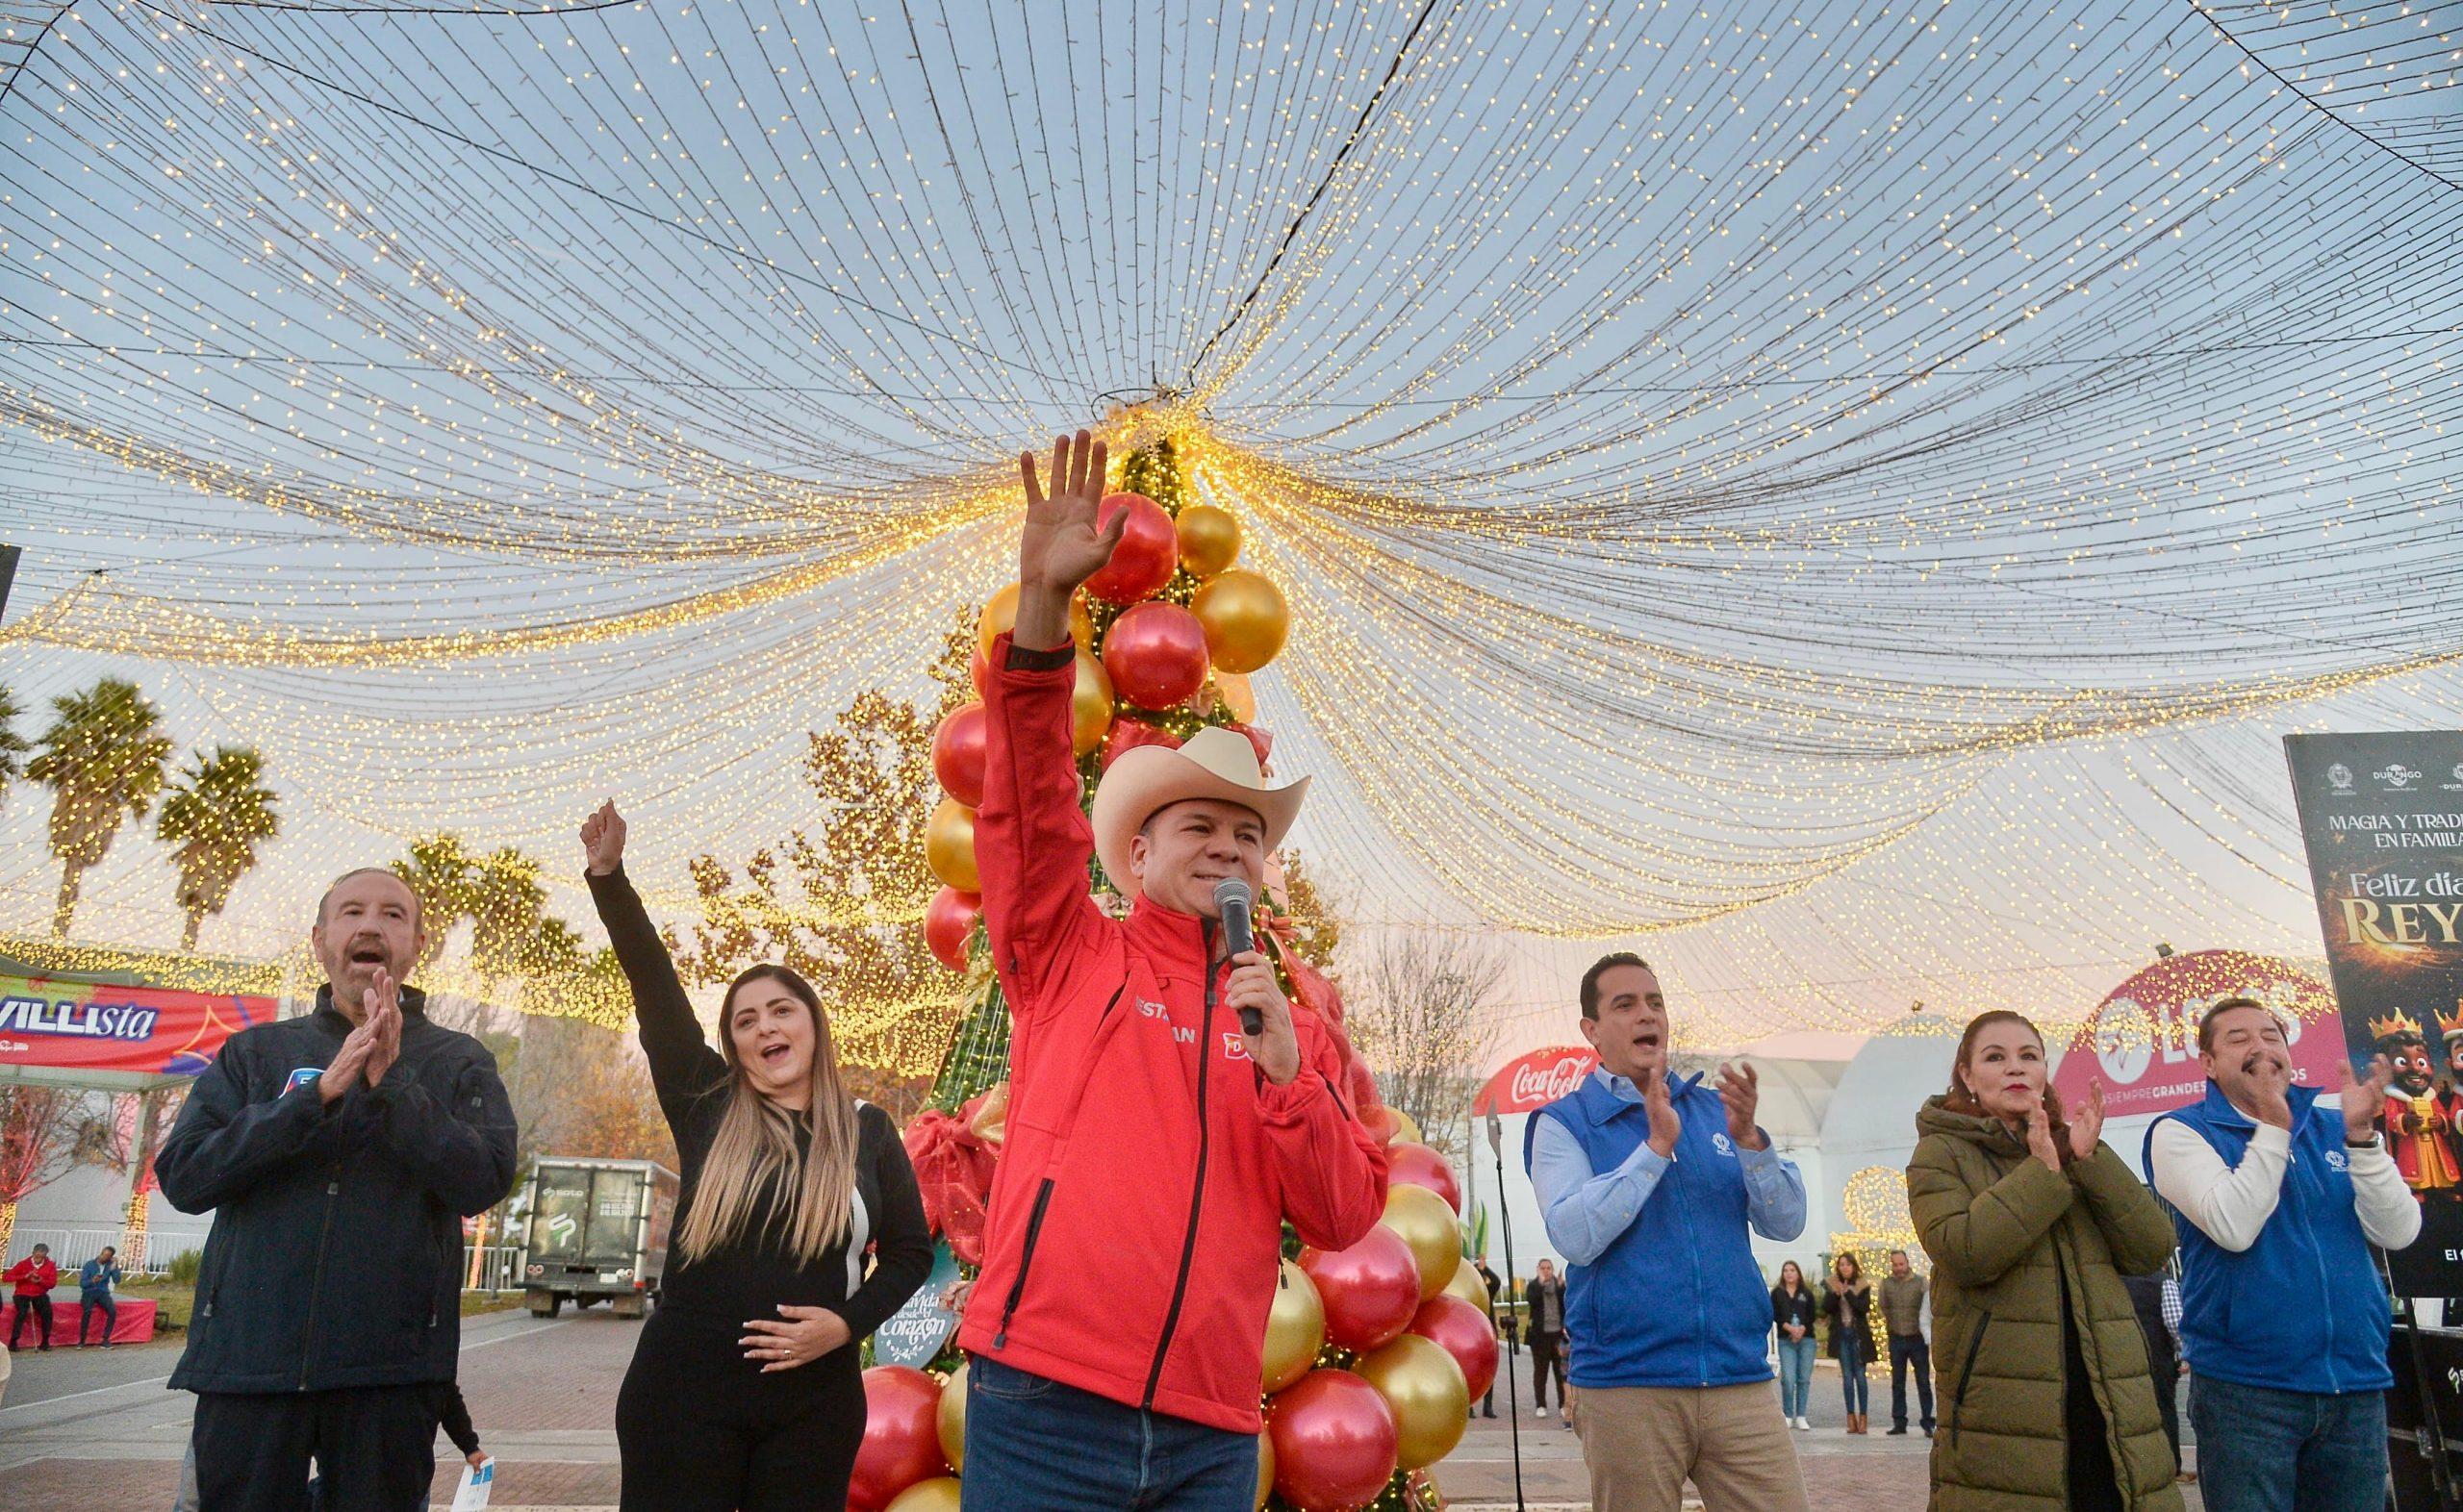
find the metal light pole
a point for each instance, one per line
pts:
(1505, 1221)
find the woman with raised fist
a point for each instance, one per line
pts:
(746, 1391)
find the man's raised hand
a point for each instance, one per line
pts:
(602, 839)
(1741, 1090)
(1061, 545)
(1665, 1125)
(384, 1024)
(2363, 1099)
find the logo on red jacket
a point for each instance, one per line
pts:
(1234, 1047)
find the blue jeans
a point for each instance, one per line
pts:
(1796, 1376)
(2260, 1449)
(1855, 1352)
(1033, 1445)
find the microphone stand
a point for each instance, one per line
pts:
(1514, 1370)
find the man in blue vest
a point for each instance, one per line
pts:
(1647, 1182)
(2283, 1319)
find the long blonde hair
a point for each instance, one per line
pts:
(754, 1159)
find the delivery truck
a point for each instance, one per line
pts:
(598, 1231)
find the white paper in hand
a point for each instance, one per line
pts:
(473, 1494)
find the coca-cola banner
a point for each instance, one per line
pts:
(1530, 1082)
(2140, 1042)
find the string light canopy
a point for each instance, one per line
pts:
(1749, 475)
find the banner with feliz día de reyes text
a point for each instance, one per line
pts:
(54, 1025)
(2382, 817)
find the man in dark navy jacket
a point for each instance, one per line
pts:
(338, 1152)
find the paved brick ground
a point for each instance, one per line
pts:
(83, 1432)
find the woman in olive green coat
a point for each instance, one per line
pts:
(2031, 1224)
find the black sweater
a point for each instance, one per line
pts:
(750, 1276)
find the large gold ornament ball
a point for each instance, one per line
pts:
(1265, 1469)
(1001, 614)
(1090, 704)
(1469, 1285)
(1209, 539)
(1237, 695)
(1431, 1401)
(952, 1418)
(948, 846)
(1432, 1231)
(1295, 1329)
(940, 1494)
(1406, 1128)
(1244, 621)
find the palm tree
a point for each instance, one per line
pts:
(103, 760)
(217, 814)
(441, 874)
(13, 746)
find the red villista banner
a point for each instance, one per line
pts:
(55, 1024)
(1530, 1082)
(2142, 1042)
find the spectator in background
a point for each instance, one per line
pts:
(1847, 1302)
(1792, 1314)
(2147, 1296)
(1902, 1293)
(454, 1417)
(1545, 1295)
(94, 1285)
(32, 1278)
(2277, 1200)
(1489, 1278)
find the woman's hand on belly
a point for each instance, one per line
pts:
(804, 1335)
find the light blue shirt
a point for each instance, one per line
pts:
(1585, 1211)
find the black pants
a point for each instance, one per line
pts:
(701, 1429)
(2165, 1367)
(375, 1447)
(1906, 1349)
(1547, 1358)
(86, 1312)
(39, 1307)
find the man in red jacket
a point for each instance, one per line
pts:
(1153, 1149)
(32, 1278)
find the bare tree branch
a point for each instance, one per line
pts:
(1421, 1018)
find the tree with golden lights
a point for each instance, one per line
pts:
(839, 899)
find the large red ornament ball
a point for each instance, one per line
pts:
(959, 750)
(1127, 735)
(1156, 654)
(1417, 1165)
(949, 925)
(1463, 1331)
(1370, 1290)
(1333, 1442)
(978, 671)
(1149, 550)
(901, 1436)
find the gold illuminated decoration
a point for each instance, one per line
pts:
(1832, 497)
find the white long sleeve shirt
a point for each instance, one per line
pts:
(2230, 1204)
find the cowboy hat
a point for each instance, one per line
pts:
(1214, 763)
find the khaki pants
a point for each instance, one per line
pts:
(1643, 1443)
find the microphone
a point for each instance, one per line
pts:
(1232, 899)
